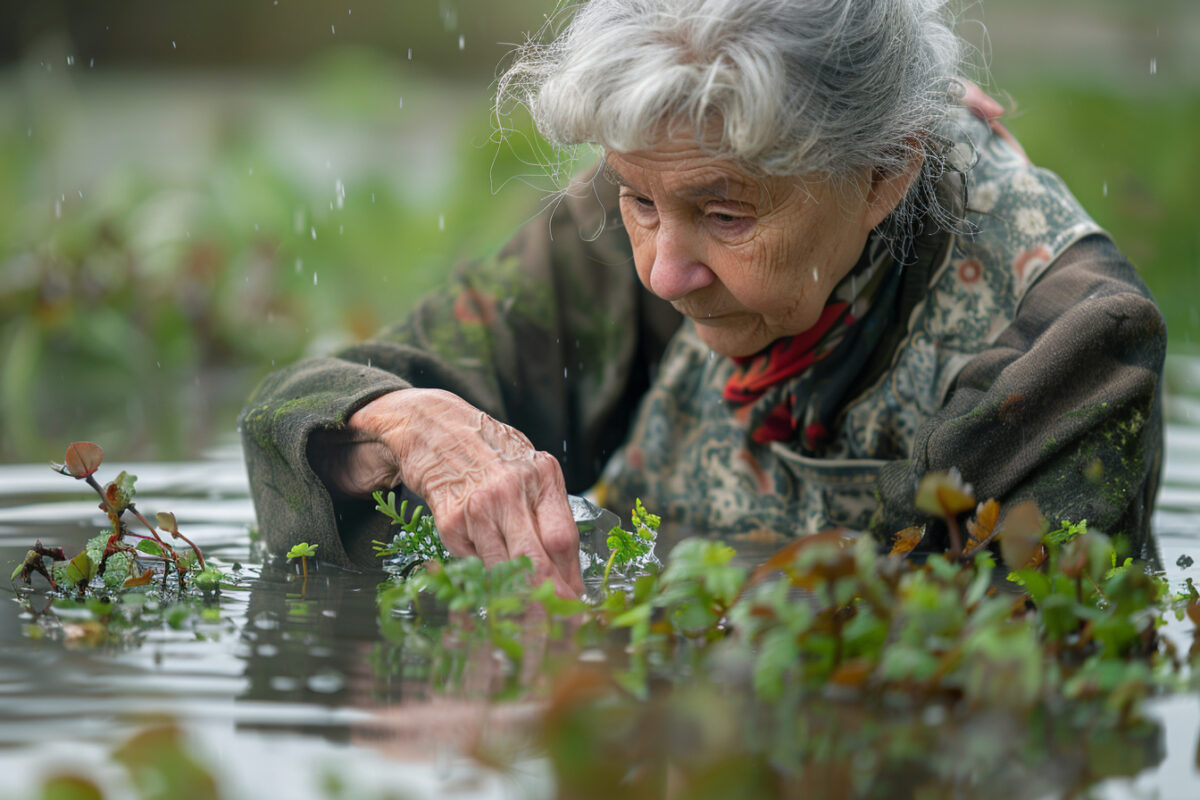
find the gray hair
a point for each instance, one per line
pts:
(792, 87)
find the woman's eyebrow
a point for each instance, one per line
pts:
(719, 189)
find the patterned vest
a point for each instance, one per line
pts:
(691, 461)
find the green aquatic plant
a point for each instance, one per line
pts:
(303, 551)
(109, 561)
(417, 541)
(626, 548)
(833, 610)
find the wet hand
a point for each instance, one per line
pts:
(492, 494)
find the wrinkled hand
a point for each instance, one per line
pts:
(990, 111)
(492, 494)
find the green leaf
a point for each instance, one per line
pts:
(302, 550)
(150, 547)
(81, 569)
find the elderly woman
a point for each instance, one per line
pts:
(803, 276)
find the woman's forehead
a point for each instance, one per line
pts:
(687, 172)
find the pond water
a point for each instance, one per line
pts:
(282, 686)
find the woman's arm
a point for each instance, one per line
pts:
(552, 336)
(1064, 409)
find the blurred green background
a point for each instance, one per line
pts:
(191, 193)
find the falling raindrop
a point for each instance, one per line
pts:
(333, 30)
(410, 54)
(299, 264)
(91, 63)
(1154, 66)
(1104, 189)
(815, 277)
(401, 103)
(372, 198)
(70, 61)
(314, 279)
(173, 46)
(57, 209)
(462, 42)
(441, 222)
(80, 193)
(313, 230)
(341, 229)
(251, 170)
(340, 189)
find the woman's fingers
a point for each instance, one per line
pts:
(491, 492)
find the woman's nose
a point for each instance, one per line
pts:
(676, 271)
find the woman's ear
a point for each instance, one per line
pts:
(887, 189)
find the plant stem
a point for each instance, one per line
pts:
(607, 567)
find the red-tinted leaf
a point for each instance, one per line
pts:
(907, 539)
(984, 523)
(83, 458)
(1021, 535)
(141, 580)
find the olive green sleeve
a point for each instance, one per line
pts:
(1064, 409)
(553, 335)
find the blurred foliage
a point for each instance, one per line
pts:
(165, 242)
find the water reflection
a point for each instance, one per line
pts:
(280, 675)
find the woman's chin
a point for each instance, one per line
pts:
(730, 341)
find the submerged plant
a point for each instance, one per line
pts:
(417, 541)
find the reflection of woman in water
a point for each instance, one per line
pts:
(819, 276)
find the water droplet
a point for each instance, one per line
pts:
(299, 264)
(70, 61)
(256, 226)
(29, 132)
(401, 103)
(57, 209)
(313, 231)
(372, 198)
(462, 42)
(1154, 66)
(298, 221)
(564, 373)
(441, 222)
(341, 229)
(333, 30)
(251, 170)
(91, 63)
(1104, 189)
(173, 46)
(410, 54)
(815, 276)
(314, 279)
(80, 193)
(340, 189)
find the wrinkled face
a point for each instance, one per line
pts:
(748, 259)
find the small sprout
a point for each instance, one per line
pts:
(82, 459)
(303, 551)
